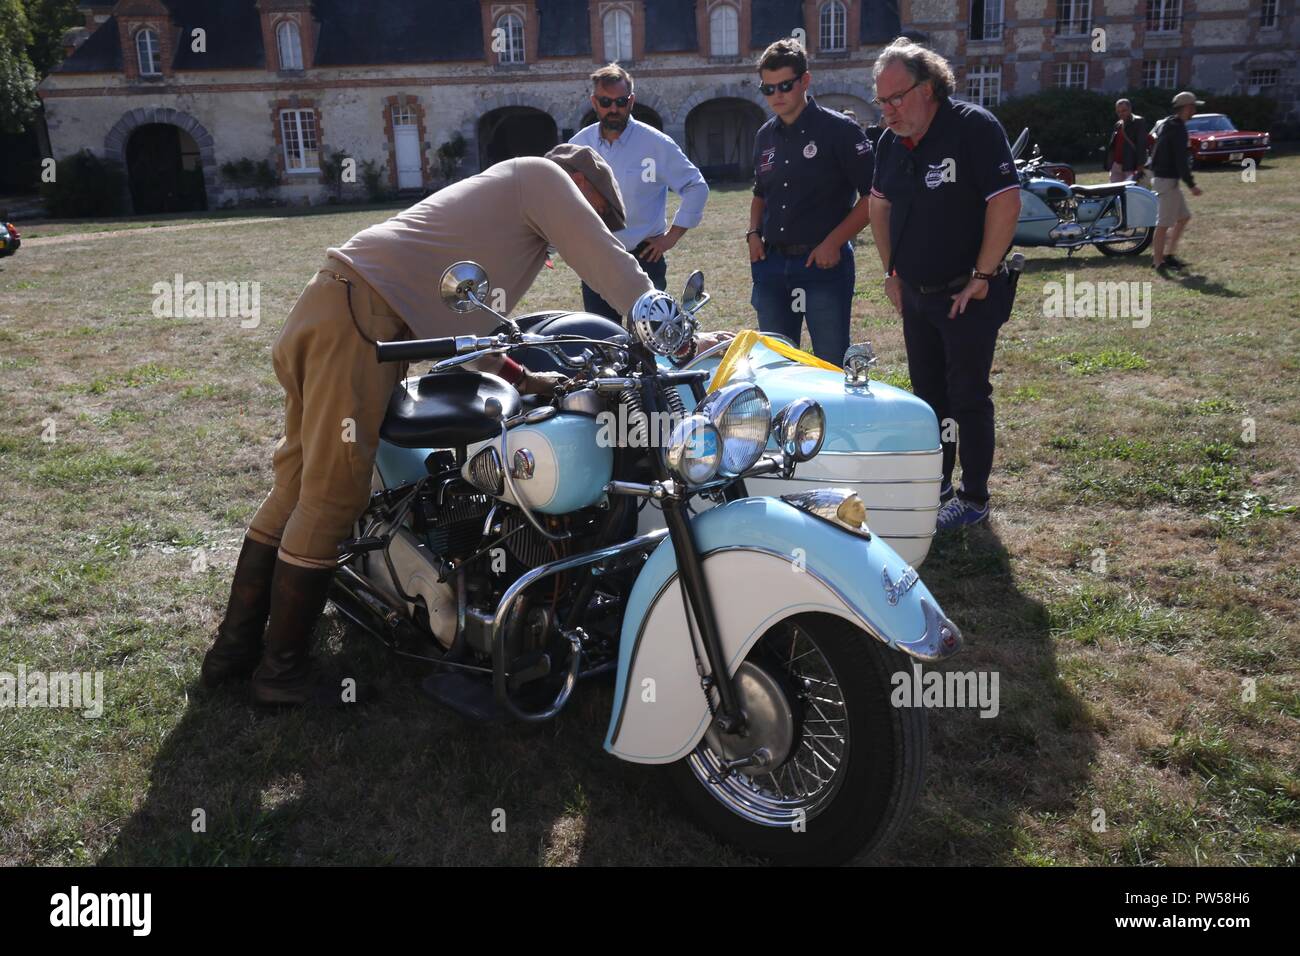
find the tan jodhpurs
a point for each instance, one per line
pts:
(336, 394)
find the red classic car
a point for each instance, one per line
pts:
(1213, 139)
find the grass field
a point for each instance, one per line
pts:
(1137, 590)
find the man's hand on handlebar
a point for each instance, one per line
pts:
(541, 383)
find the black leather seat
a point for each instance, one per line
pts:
(1097, 192)
(448, 409)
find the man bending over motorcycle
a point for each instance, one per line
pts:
(380, 285)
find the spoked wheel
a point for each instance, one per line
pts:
(835, 769)
(1141, 238)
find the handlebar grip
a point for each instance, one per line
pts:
(416, 350)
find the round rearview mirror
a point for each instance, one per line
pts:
(459, 281)
(694, 290)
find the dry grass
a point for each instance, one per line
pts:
(1121, 689)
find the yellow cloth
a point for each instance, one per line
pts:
(744, 343)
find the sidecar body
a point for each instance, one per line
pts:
(881, 441)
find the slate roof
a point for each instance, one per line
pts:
(101, 53)
(670, 26)
(358, 32)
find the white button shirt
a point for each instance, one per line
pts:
(648, 163)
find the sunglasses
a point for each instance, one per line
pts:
(606, 102)
(785, 86)
(896, 100)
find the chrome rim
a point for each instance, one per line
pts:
(804, 785)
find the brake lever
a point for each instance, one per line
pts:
(465, 359)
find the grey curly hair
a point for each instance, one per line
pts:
(921, 63)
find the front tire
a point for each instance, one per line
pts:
(804, 812)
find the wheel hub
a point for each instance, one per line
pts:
(769, 734)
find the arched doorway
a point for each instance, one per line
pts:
(641, 113)
(514, 131)
(164, 170)
(720, 137)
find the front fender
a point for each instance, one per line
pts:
(764, 560)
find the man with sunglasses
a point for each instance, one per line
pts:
(943, 212)
(809, 163)
(646, 163)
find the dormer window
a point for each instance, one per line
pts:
(832, 26)
(724, 29)
(618, 35)
(148, 53)
(289, 44)
(512, 39)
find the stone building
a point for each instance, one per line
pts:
(174, 89)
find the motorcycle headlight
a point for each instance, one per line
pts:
(694, 450)
(743, 417)
(800, 429)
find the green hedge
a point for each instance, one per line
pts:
(85, 185)
(1074, 125)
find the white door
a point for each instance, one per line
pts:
(407, 139)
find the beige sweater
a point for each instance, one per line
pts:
(504, 218)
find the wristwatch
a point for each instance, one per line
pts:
(986, 276)
(753, 232)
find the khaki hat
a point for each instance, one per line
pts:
(585, 160)
(1187, 99)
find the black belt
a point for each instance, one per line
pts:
(789, 250)
(952, 285)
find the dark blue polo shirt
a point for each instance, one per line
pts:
(808, 174)
(938, 190)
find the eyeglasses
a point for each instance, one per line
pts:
(896, 100)
(785, 86)
(606, 102)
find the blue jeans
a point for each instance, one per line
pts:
(783, 283)
(593, 303)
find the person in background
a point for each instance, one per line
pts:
(1171, 163)
(943, 212)
(809, 164)
(1126, 153)
(646, 163)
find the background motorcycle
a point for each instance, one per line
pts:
(752, 644)
(1119, 218)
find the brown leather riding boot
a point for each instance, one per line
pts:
(238, 644)
(285, 677)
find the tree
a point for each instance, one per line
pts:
(49, 20)
(18, 100)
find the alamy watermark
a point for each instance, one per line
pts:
(934, 689)
(178, 299)
(73, 690)
(1086, 299)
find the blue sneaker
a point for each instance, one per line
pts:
(945, 492)
(958, 513)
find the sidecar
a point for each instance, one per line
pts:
(881, 441)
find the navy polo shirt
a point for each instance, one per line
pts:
(808, 173)
(938, 190)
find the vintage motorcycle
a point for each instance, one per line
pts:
(752, 642)
(1118, 218)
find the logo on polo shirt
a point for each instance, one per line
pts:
(767, 159)
(810, 150)
(938, 173)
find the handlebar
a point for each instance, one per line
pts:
(417, 350)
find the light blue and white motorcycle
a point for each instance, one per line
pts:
(1118, 218)
(752, 642)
